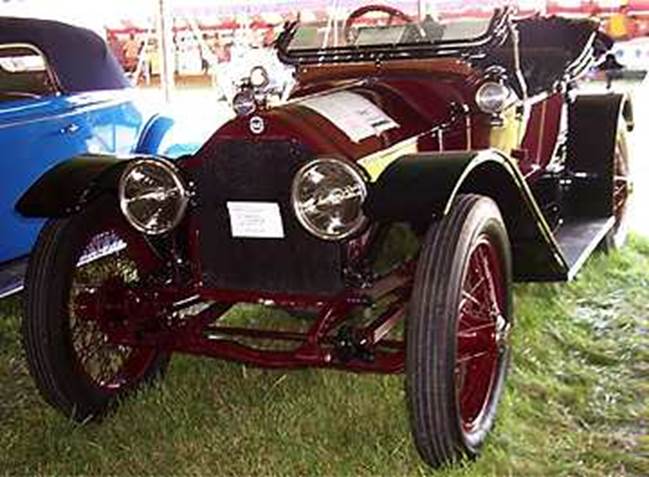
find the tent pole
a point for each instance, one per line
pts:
(166, 50)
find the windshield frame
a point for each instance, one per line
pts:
(494, 35)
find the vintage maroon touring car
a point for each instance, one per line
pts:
(470, 138)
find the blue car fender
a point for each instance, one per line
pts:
(153, 133)
(174, 134)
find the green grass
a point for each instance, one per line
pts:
(576, 403)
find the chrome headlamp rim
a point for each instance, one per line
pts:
(243, 102)
(360, 177)
(255, 71)
(482, 103)
(169, 168)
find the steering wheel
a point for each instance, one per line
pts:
(393, 13)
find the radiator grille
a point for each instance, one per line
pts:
(260, 171)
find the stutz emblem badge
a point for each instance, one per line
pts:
(257, 125)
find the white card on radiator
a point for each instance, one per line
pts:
(255, 220)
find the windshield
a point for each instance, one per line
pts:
(358, 25)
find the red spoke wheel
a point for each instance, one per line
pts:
(622, 189)
(76, 283)
(458, 331)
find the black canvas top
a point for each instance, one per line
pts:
(79, 57)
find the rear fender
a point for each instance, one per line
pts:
(593, 128)
(65, 188)
(421, 188)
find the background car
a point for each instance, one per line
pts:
(633, 56)
(62, 93)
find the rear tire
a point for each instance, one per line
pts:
(622, 188)
(457, 351)
(76, 369)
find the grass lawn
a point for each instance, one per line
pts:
(576, 403)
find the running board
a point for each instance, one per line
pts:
(578, 238)
(11, 277)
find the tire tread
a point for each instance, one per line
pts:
(432, 421)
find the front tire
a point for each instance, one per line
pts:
(70, 356)
(457, 351)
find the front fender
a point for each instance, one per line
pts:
(62, 190)
(421, 188)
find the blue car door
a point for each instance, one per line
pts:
(35, 135)
(113, 120)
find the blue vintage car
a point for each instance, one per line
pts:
(62, 93)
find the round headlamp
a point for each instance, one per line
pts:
(492, 97)
(328, 196)
(244, 102)
(259, 77)
(152, 196)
